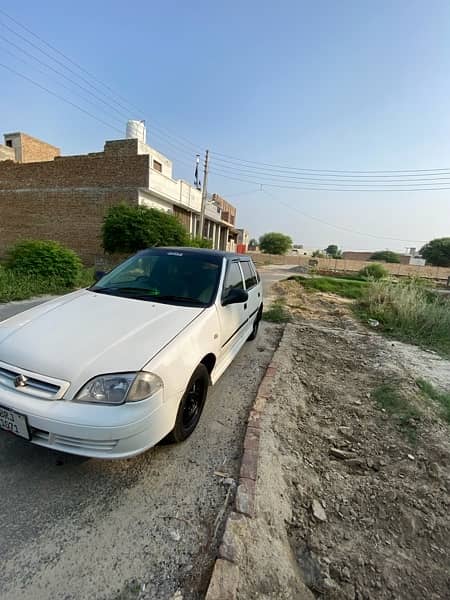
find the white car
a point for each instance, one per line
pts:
(110, 371)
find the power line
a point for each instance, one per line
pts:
(183, 141)
(346, 229)
(335, 182)
(42, 87)
(324, 189)
(238, 160)
(304, 174)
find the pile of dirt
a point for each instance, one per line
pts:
(353, 498)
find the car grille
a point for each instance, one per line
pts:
(35, 385)
(66, 442)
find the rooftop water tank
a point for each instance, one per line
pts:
(136, 130)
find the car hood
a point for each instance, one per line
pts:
(84, 334)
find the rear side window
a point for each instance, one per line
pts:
(233, 278)
(249, 275)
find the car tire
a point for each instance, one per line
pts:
(191, 405)
(255, 329)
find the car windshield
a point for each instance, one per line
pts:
(172, 277)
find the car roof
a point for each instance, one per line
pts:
(200, 251)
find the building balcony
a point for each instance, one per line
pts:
(175, 191)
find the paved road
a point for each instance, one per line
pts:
(74, 529)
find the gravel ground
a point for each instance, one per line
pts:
(353, 501)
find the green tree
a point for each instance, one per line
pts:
(333, 251)
(128, 229)
(253, 243)
(275, 243)
(437, 252)
(386, 256)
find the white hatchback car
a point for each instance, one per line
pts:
(110, 371)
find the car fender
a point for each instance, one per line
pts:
(176, 362)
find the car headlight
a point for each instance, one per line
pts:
(119, 388)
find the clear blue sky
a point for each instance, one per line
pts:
(345, 85)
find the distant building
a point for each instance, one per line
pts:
(28, 149)
(47, 196)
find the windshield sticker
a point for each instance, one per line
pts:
(174, 254)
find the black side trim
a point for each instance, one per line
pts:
(241, 326)
(237, 330)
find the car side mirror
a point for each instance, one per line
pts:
(98, 275)
(235, 296)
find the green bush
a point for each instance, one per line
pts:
(386, 256)
(46, 260)
(199, 242)
(127, 229)
(375, 271)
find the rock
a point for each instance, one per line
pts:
(411, 457)
(373, 323)
(345, 430)
(228, 482)
(345, 574)
(318, 511)
(341, 454)
(175, 535)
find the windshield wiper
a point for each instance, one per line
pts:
(173, 298)
(125, 291)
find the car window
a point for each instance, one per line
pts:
(249, 275)
(233, 278)
(173, 277)
(258, 278)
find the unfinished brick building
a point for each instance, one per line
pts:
(65, 198)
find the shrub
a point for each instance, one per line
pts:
(46, 260)
(127, 229)
(386, 256)
(409, 312)
(275, 243)
(375, 271)
(199, 242)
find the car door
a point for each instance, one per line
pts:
(252, 287)
(233, 317)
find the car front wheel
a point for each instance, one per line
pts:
(191, 405)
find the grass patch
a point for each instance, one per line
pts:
(277, 313)
(15, 286)
(408, 311)
(442, 398)
(389, 397)
(348, 288)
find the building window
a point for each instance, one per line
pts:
(9, 143)
(157, 166)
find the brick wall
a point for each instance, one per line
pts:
(34, 150)
(72, 217)
(7, 153)
(361, 256)
(67, 198)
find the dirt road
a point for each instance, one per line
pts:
(353, 487)
(139, 528)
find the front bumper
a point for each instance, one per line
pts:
(93, 430)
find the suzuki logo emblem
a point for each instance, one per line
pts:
(20, 381)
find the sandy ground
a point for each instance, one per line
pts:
(352, 505)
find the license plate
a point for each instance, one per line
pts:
(14, 422)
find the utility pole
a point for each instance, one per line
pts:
(204, 194)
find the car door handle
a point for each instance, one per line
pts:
(245, 307)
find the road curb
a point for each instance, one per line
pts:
(225, 577)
